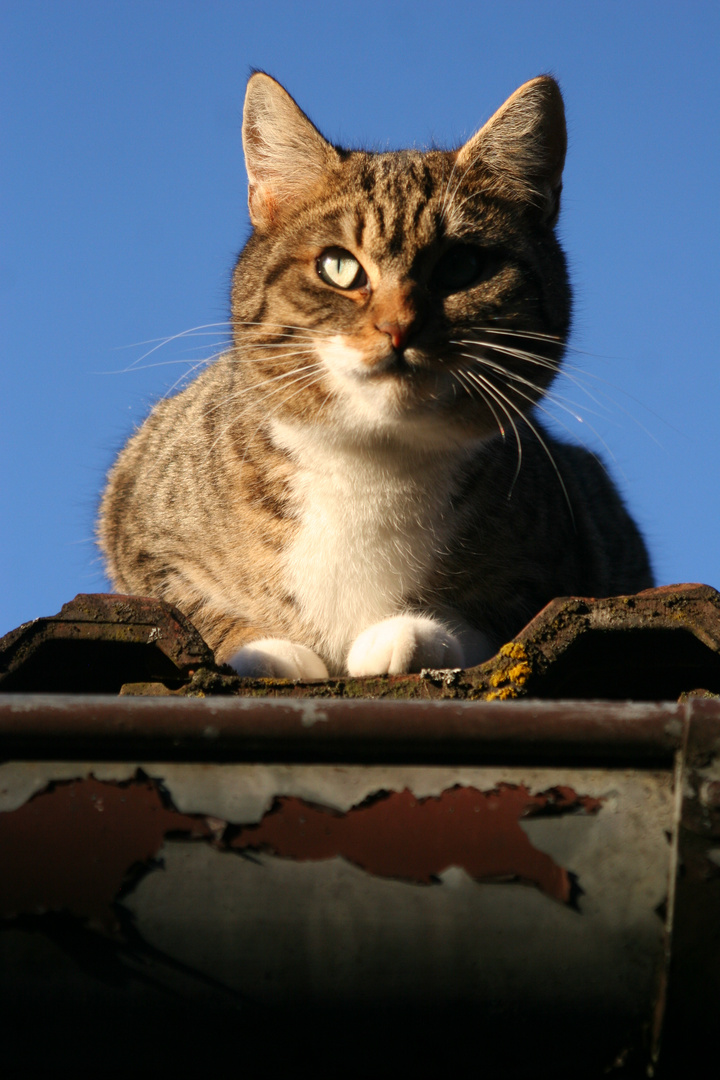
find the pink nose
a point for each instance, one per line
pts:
(398, 332)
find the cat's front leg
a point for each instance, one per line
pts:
(404, 643)
(277, 658)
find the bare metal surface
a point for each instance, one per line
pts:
(337, 930)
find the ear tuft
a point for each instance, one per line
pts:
(285, 154)
(524, 145)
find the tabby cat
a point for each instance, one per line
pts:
(361, 484)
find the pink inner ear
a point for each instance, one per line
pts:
(285, 155)
(263, 207)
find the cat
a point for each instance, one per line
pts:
(361, 484)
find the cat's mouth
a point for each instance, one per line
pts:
(406, 364)
(353, 365)
(407, 381)
(401, 384)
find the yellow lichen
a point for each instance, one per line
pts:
(502, 694)
(514, 650)
(520, 673)
(506, 679)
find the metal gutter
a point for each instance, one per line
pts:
(339, 730)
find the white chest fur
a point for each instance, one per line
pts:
(370, 528)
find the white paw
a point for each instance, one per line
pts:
(404, 643)
(278, 658)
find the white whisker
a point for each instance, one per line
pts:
(284, 326)
(462, 377)
(500, 399)
(571, 373)
(162, 363)
(192, 332)
(287, 375)
(161, 343)
(533, 334)
(535, 403)
(526, 419)
(305, 381)
(533, 358)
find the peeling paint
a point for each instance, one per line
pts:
(395, 834)
(304, 933)
(58, 855)
(243, 793)
(312, 713)
(403, 890)
(72, 846)
(20, 780)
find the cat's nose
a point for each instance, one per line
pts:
(398, 332)
(398, 312)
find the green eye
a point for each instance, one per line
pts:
(460, 267)
(339, 268)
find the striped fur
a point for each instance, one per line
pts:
(362, 473)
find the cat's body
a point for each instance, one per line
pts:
(361, 482)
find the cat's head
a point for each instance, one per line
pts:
(411, 295)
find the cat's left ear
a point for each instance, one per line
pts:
(523, 146)
(285, 155)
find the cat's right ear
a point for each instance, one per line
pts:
(285, 155)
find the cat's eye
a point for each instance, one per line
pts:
(338, 267)
(460, 267)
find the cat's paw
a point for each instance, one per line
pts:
(404, 643)
(278, 658)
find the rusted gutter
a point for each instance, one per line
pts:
(280, 729)
(547, 865)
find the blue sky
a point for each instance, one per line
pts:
(123, 207)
